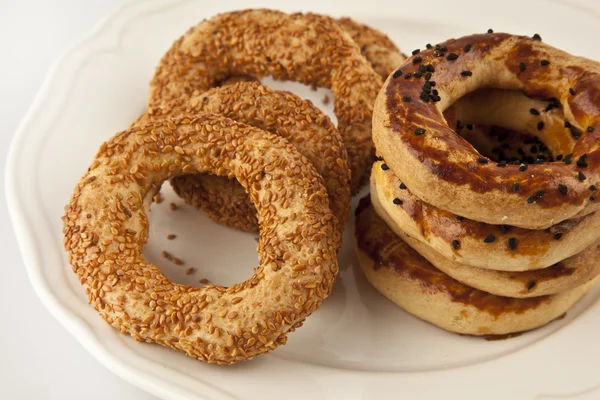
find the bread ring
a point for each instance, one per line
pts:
(302, 47)
(423, 151)
(285, 115)
(476, 243)
(106, 228)
(403, 276)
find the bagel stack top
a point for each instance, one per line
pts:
(416, 142)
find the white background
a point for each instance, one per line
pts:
(38, 358)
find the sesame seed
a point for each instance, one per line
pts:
(397, 74)
(419, 131)
(522, 66)
(513, 243)
(563, 189)
(489, 239)
(581, 176)
(544, 62)
(533, 111)
(467, 48)
(171, 236)
(537, 37)
(557, 235)
(466, 73)
(452, 57)
(456, 244)
(384, 167)
(397, 201)
(173, 206)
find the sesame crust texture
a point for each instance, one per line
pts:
(278, 112)
(481, 245)
(106, 228)
(410, 132)
(406, 278)
(307, 48)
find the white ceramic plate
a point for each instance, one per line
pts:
(358, 345)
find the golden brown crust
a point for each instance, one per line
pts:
(441, 159)
(106, 228)
(302, 47)
(403, 276)
(281, 113)
(476, 243)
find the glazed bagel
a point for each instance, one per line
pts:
(283, 114)
(403, 276)
(410, 132)
(300, 47)
(496, 247)
(563, 275)
(106, 229)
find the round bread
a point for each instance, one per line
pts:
(106, 229)
(403, 276)
(285, 115)
(496, 247)
(307, 48)
(412, 135)
(563, 275)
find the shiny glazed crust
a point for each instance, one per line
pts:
(403, 276)
(301, 47)
(106, 229)
(464, 182)
(281, 113)
(476, 243)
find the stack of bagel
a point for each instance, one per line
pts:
(482, 215)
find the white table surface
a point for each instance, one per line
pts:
(39, 359)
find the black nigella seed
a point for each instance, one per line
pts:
(592, 198)
(430, 68)
(523, 167)
(402, 186)
(490, 31)
(406, 99)
(582, 161)
(419, 131)
(537, 37)
(459, 218)
(593, 188)
(504, 228)
(443, 49)
(415, 52)
(384, 167)
(435, 92)
(522, 67)
(397, 74)
(516, 186)
(408, 76)
(530, 285)
(557, 235)
(571, 91)
(469, 127)
(424, 96)
(376, 158)
(512, 243)
(531, 199)
(397, 201)
(540, 125)
(428, 46)
(489, 238)
(418, 74)
(466, 73)
(422, 68)
(590, 129)
(452, 56)
(544, 62)
(435, 97)
(428, 76)
(559, 157)
(482, 160)
(533, 111)
(563, 189)
(567, 124)
(456, 244)
(432, 83)
(581, 176)
(568, 158)
(467, 48)
(417, 59)
(501, 163)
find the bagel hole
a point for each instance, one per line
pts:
(191, 249)
(508, 125)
